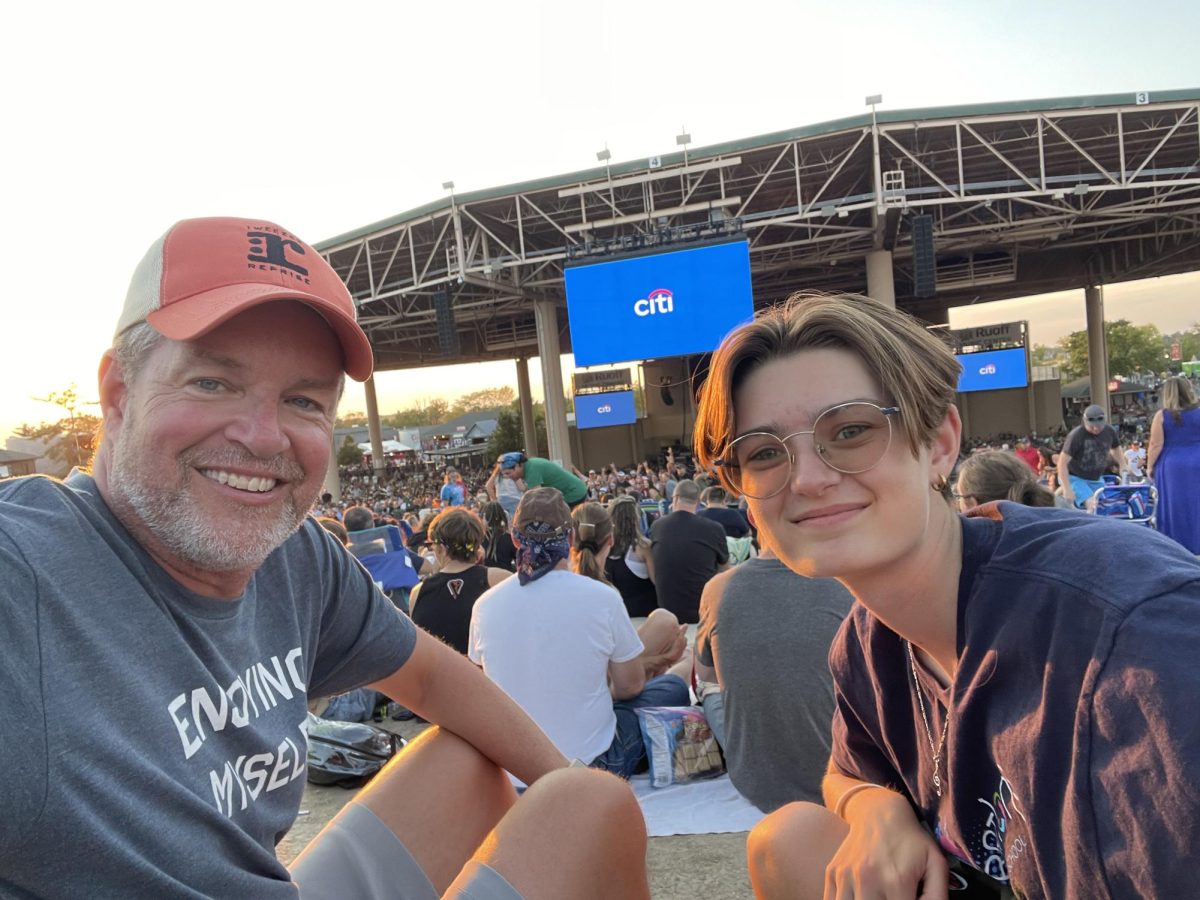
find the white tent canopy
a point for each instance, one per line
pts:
(388, 447)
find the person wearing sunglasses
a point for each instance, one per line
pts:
(1013, 700)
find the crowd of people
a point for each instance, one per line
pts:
(932, 665)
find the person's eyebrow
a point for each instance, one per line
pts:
(199, 354)
(774, 429)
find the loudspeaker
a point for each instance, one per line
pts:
(447, 331)
(924, 258)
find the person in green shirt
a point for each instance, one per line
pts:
(538, 472)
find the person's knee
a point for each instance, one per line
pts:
(662, 618)
(607, 801)
(784, 836)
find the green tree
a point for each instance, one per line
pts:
(78, 433)
(1189, 347)
(348, 454)
(429, 412)
(1047, 356)
(509, 435)
(1131, 348)
(486, 398)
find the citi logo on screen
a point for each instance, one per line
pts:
(989, 369)
(604, 409)
(658, 301)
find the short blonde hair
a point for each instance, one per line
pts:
(915, 370)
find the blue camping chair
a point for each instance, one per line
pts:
(1136, 503)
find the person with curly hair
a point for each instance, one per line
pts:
(442, 603)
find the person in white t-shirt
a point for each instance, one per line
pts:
(562, 646)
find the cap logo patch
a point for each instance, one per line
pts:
(269, 252)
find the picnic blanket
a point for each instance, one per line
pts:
(699, 807)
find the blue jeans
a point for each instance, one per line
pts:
(627, 750)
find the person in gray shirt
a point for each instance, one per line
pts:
(762, 651)
(165, 620)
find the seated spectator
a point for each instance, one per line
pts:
(442, 603)
(562, 646)
(499, 549)
(761, 657)
(1014, 687)
(999, 475)
(629, 566)
(395, 570)
(715, 501)
(1027, 453)
(687, 551)
(336, 528)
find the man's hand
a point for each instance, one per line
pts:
(887, 855)
(657, 663)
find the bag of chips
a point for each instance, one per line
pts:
(679, 745)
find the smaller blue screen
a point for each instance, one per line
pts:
(992, 370)
(602, 410)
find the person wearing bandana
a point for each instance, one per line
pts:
(551, 626)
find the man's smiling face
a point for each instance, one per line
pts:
(220, 445)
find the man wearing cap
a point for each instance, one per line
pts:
(1086, 455)
(538, 472)
(183, 605)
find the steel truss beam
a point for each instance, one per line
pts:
(1076, 181)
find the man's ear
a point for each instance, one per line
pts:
(114, 393)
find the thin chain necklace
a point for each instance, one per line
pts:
(937, 751)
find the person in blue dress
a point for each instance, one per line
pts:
(1174, 462)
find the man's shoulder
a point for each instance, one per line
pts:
(34, 503)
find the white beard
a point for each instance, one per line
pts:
(171, 514)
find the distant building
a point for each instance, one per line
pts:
(13, 464)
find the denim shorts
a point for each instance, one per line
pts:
(357, 856)
(627, 749)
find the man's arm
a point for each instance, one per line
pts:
(1119, 458)
(626, 679)
(1064, 475)
(490, 484)
(443, 686)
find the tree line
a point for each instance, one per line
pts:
(1132, 350)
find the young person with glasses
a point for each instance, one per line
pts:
(1013, 699)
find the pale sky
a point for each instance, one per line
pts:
(121, 118)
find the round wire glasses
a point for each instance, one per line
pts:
(849, 438)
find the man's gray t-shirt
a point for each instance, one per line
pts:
(767, 632)
(153, 739)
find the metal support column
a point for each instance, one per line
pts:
(881, 284)
(1097, 348)
(373, 427)
(333, 483)
(525, 396)
(549, 351)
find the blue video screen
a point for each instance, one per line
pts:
(602, 410)
(992, 370)
(660, 305)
